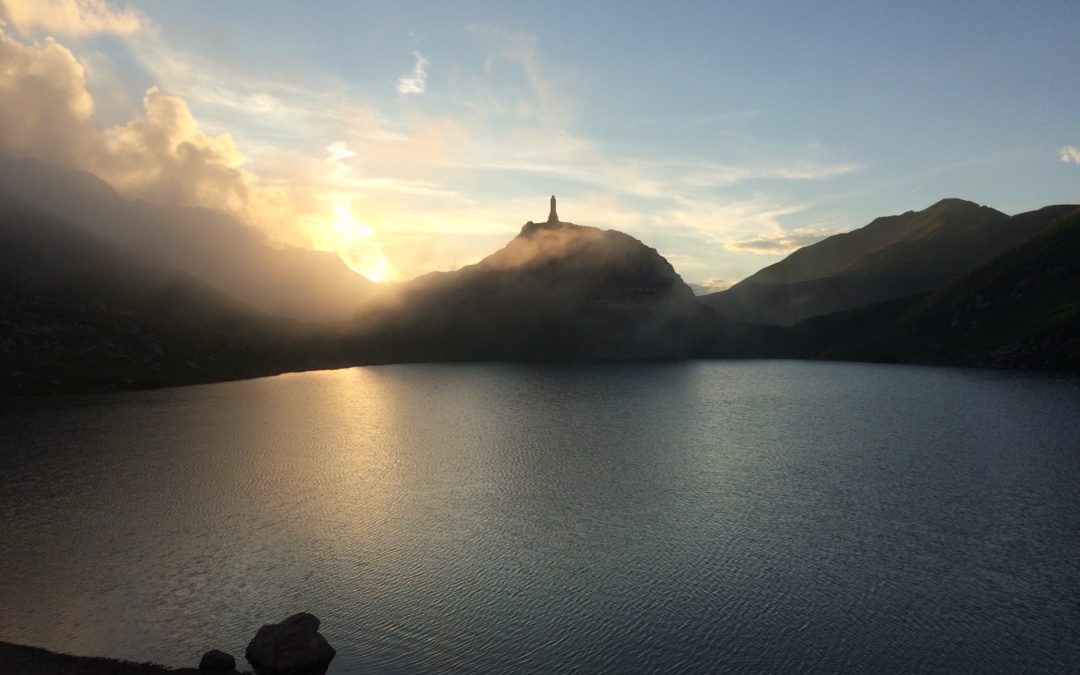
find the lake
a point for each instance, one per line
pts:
(758, 516)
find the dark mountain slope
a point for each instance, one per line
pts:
(76, 314)
(221, 251)
(839, 253)
(889, 258)
(1021, 310)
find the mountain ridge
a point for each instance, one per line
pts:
(82, 311)
(891, 257)
(1019, 310)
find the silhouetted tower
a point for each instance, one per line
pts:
(553, 217)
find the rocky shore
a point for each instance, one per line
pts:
(292, 647)
(22, 660)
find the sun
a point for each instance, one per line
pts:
(356, 243)
(378, 271)
(345, 225)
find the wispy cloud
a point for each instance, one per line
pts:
(782, 243)
(522, 50)
(416, 81)
(706, 286)
(1070, 154)
(693, 120)
(70, 17)
(705, 175)
(338, 153)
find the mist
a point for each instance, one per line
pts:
(218, 249)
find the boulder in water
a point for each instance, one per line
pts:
(292, 647)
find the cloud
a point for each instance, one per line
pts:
(70, 17)
(52, 118)
(1070, 153)
(521, 49)
(471, 173)
(707, 286)
(782, 243)
(430, 191)
(709, 175)
(416, 81)
(165, 157)
(339, 153)
(161, 155)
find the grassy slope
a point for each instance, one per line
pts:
(1020, 310)
(890, 258)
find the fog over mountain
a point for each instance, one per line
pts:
(221, 251)
(556, 290)
(77, 313)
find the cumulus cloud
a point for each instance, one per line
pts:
(161, 155)
(70, 17)
(416, 81)
(51, 119)
(165, 157)
(785, 242)
(1070, 153)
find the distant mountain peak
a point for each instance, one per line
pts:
(954, 203)
(950, 205)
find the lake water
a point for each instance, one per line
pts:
(731, 516)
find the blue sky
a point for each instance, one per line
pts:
(419, 136)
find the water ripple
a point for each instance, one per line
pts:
(741, 517)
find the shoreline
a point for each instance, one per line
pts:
(59, 389)
(25, 660)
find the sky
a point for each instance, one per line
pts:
(411, 137)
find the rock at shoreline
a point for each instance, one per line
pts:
(215, 661)
(292, 647)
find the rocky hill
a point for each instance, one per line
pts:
(556, 291)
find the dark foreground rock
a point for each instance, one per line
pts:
(216, 661)
(292, 647)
